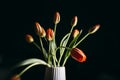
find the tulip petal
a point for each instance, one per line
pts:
(78, 55)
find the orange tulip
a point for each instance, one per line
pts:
(56, 18)
(40, 30)
(29, 38)
(78, 55)
(42, 33)
(74, 21)
(75, 33)
(94, 29)
(15, 77)
(49, 34)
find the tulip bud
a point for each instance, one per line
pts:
(56, 18)
(49, 34)
(29, 38)
(94, 29)
(40, 30)
(78, 55)
(75, 33)
(42, 33)
(74, 21)
(37, 28)
(15, 77)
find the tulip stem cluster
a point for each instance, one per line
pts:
(56, 55)
(64, 48)
(61, 54)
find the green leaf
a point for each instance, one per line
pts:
(64, 43)
(53, 51)
(31, 61)
(30, 66)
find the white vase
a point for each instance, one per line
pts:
(55, 73)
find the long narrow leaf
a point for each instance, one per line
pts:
(30, 66)
(63, 43)
(30, 61)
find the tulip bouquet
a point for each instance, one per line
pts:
(56, 55)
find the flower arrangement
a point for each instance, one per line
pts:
(65, 49)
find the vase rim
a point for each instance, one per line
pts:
(56, 67)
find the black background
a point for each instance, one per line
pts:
(17, 18)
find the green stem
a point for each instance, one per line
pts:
(54, 57)
(54, 40)
(81, 40)
(55, 31)
(61, 56)
(65, 45)
(43, 49)
(62, 47)
(54, 60)
(46, 40)
(37, 46)
(55, 46)
(49, 55)
(65, 61)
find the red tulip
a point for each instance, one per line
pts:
(78, 55)
(49, 34)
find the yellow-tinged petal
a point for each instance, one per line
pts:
(94, 29)
(29, 38)
(74, 21)
(42, 33)
(37, 28)
(40, 30)
(75, 33)
(56, 18)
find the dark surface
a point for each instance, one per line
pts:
(17, 19)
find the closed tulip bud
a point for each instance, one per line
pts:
(40, 30)
(75, 33)
(74, 21)
(56, 18)
(49, 34)
(78, 55)
(37, 28)
(43, 33)
(15, 77)
(29, 38)
(94, 29)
